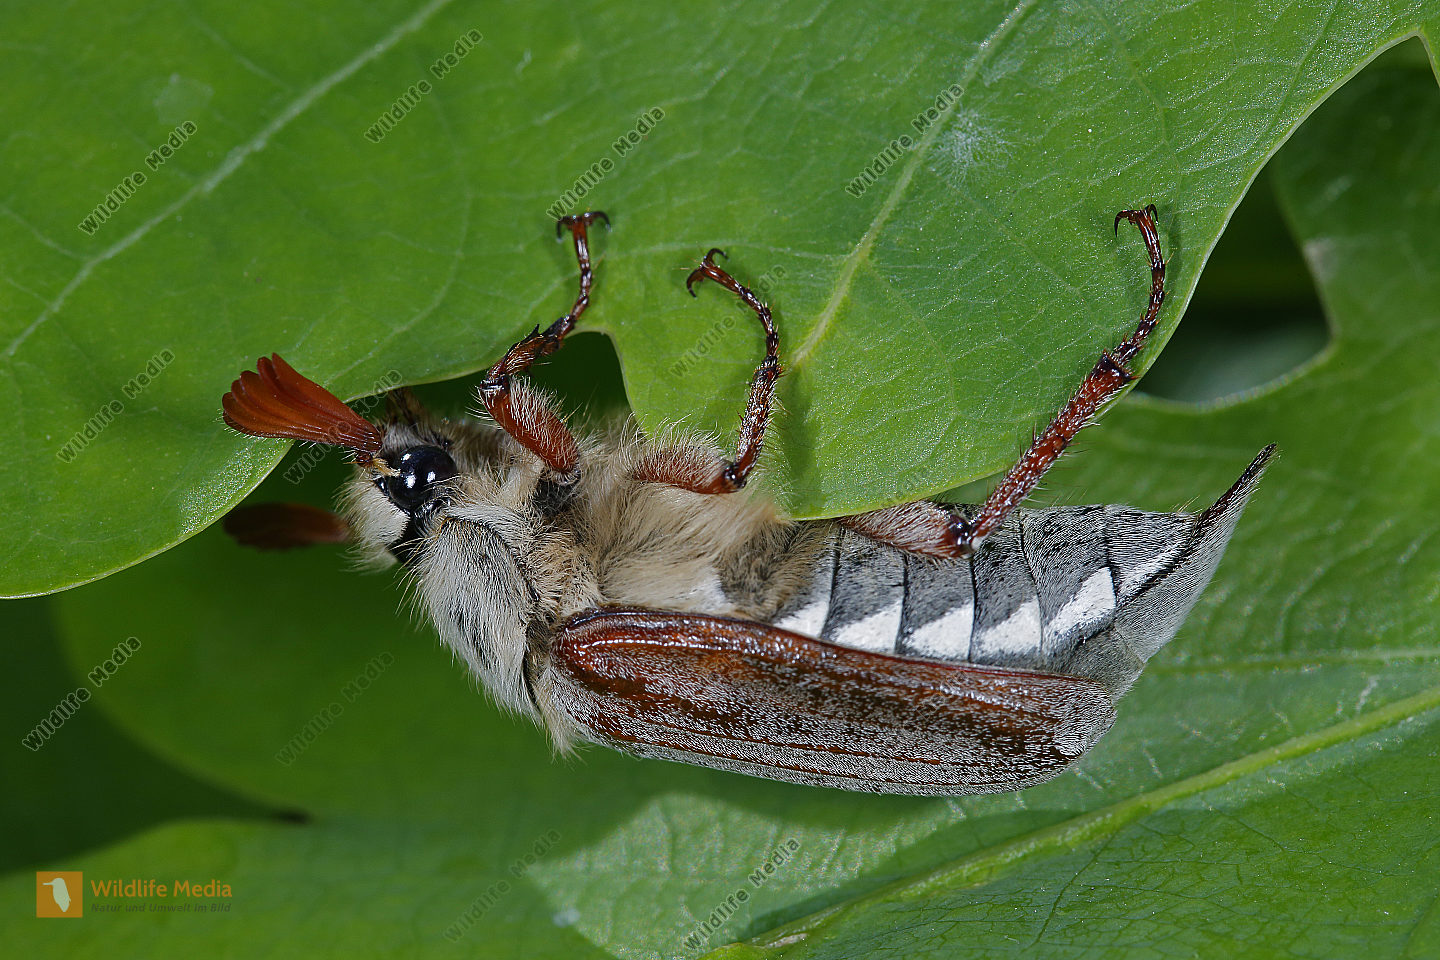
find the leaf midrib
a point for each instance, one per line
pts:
(1088, 827)
(232, 162)
(861, 253)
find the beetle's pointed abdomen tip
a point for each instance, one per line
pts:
(1232, 502)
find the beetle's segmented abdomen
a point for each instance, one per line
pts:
(1084, 591)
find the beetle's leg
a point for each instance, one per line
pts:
(924, 527)
(284, 526)
(521, 412)
(537, 344)
(699, 472)
(945, 533)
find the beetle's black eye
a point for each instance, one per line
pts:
(417, 470)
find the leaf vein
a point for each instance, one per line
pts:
(1105, 822)
(232, 162)
(861, 253)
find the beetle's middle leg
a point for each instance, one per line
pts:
(699, 472)
(521, 412)
(935, 530)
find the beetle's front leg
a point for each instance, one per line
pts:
(524, 414)
(699, 472)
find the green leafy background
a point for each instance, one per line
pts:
(1269, 787)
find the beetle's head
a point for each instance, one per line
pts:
(398, 497)
(410, 467)
(451, 500)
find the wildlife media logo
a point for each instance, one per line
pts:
(59, 893)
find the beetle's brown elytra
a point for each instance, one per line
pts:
(629, 590)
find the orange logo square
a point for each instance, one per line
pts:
(59, 893)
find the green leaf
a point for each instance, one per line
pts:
(1268, 787)
(927, 323)
(91, 785)
(1321, 847)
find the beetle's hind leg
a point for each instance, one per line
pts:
(938, 531)
(521, 412)
(698, 472)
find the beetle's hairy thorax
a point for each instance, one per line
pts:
(661, 548)
(509, 555)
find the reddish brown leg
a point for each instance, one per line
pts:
(937, 531)
(521, 412)
(284, 526)
(701, 473)
(923, 526)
